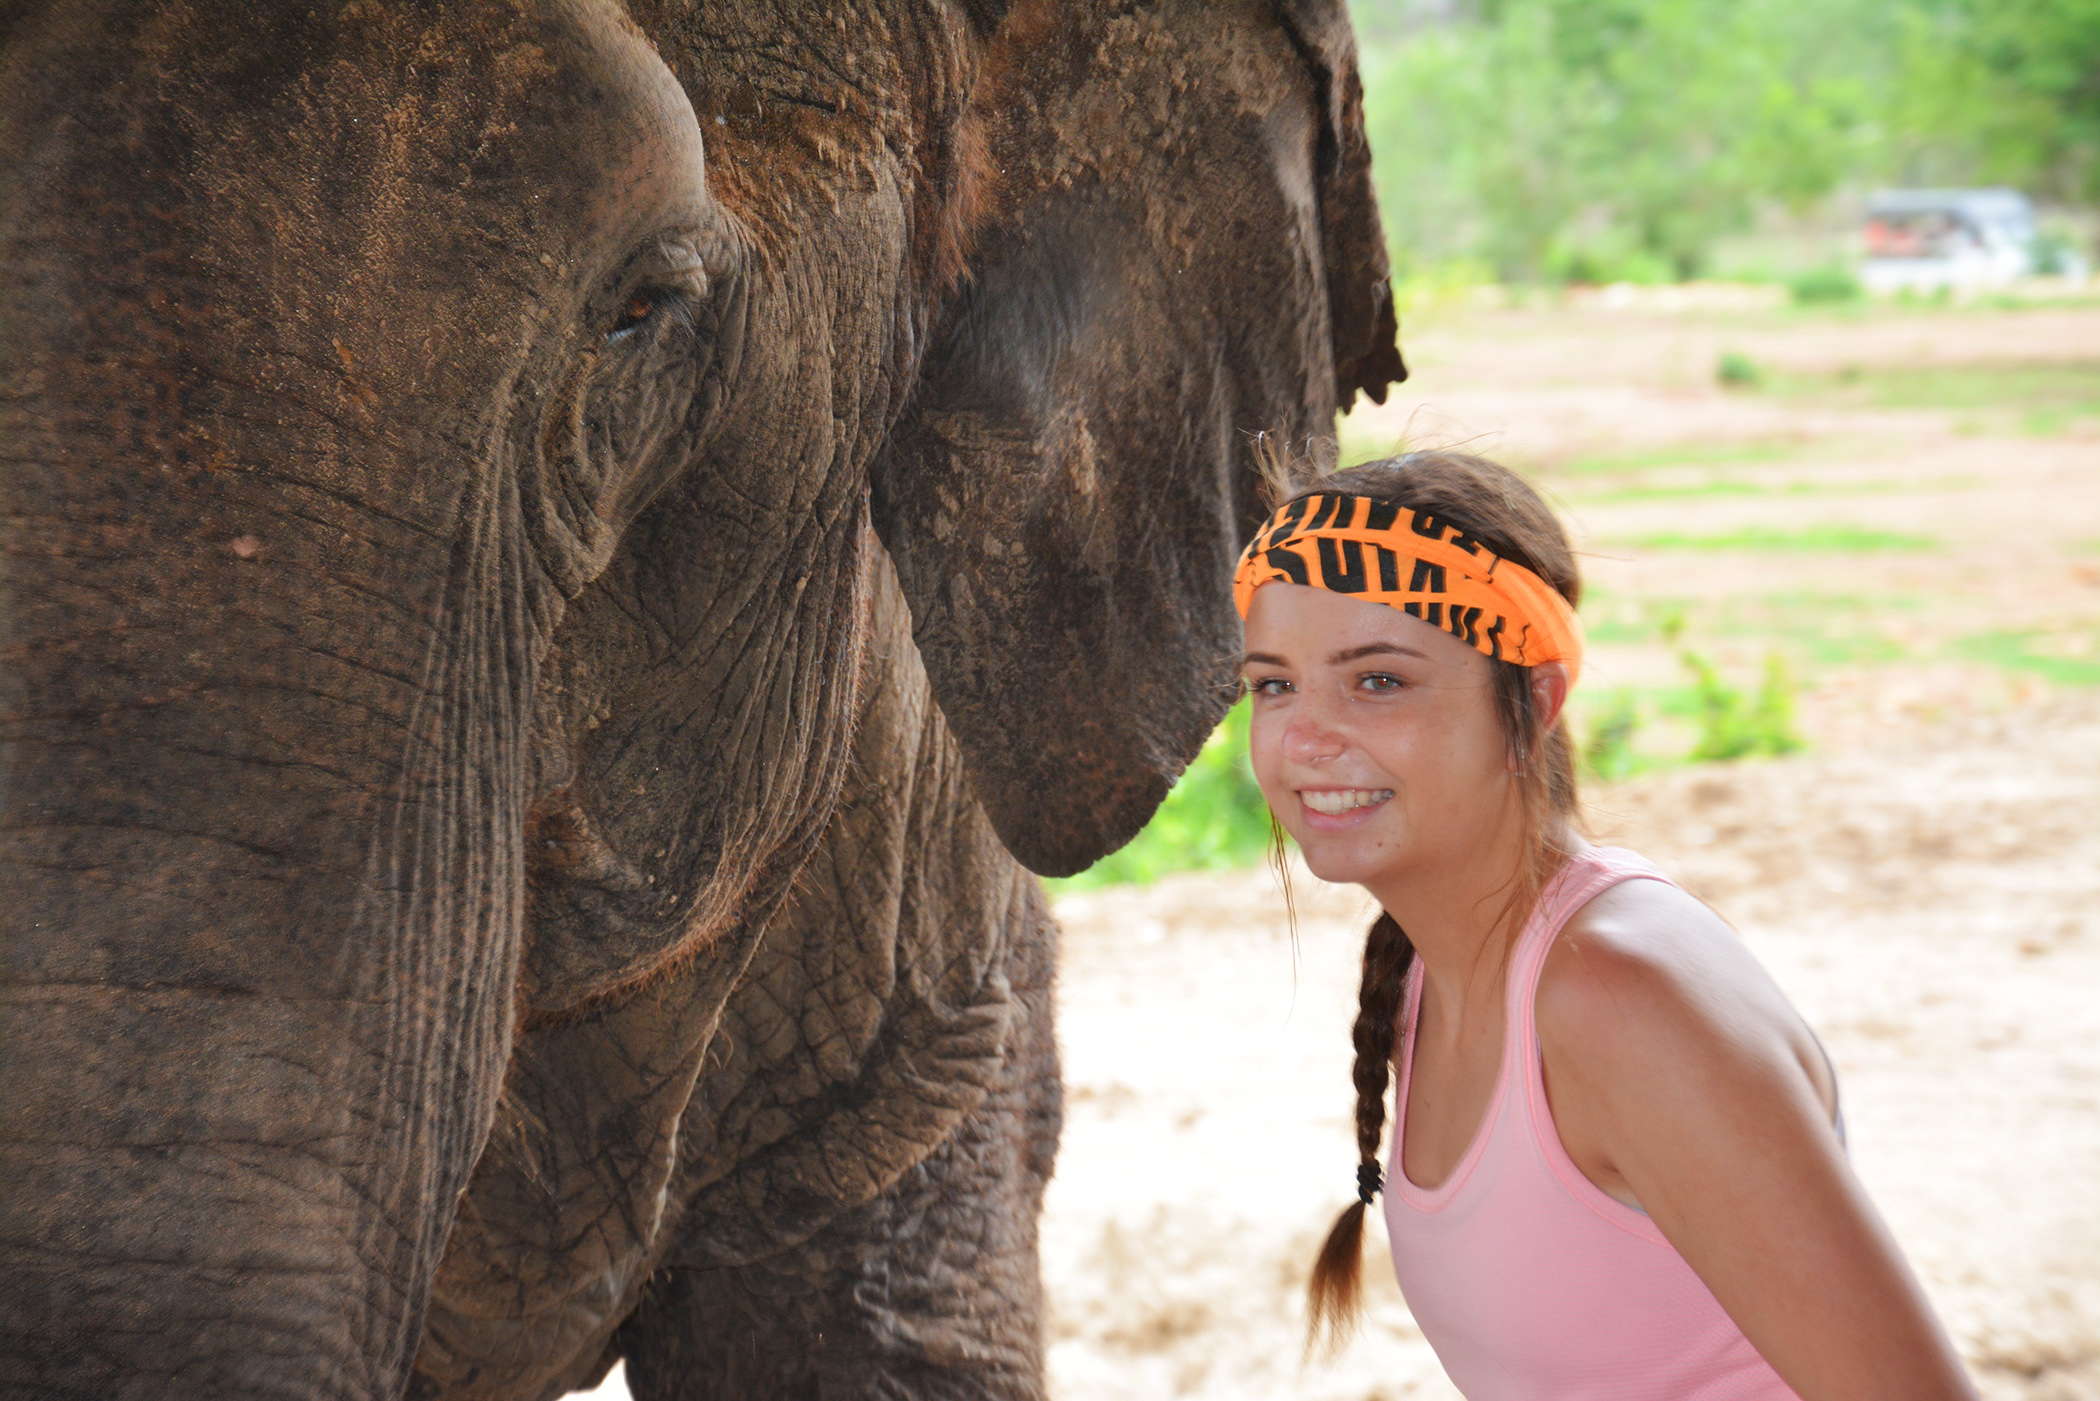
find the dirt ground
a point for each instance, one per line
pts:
(1924, 881)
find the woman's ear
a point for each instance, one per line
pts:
(1549, 683)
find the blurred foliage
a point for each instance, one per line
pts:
(1733, 725)
(2005, 91)
(1618, 140)
(1607, 749)
(1213, 820)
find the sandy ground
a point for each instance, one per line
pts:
(1924, 882)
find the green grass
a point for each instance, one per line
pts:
(1833, 539)
(1736, 370)
(2045, 397)
(1687, 491)
(1683, 455)
(1820, 629)
(1607, 739)
(1604, 632)
(2015, 651)
(1736, 486)
(1843, 648)
(1735, 724)
(1618, 735)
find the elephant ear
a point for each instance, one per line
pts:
(1147, 287)
(1359, 289)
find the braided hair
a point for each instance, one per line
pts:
(1336, 1294)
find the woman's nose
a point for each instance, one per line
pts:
(1307, 740)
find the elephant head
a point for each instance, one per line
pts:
(439, 441)
(339, 349)
(1173, 248)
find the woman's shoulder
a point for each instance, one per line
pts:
(1646, 973)
(1641, 920)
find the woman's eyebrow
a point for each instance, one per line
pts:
(1262, 659)
(1375, 649)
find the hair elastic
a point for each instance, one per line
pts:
(1369, 1181)
(1426, 567)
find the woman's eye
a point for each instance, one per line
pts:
(1269, 686)
(1381, 683)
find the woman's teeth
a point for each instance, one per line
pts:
(1334, 801)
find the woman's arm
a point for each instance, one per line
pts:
(1677, 1071)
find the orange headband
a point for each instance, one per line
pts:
(1356, 545)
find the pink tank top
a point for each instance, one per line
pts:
(1530, 1283)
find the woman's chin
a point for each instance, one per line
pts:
(1342, 863)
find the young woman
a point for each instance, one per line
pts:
(1617, 1168)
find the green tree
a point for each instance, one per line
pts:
(2002, 91)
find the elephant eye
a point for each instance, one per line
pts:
(638, 309)
(648, 305)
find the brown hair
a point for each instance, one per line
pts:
(1500, 509)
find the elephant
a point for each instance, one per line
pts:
(542, 542)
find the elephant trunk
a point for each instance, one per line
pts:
(255, 952)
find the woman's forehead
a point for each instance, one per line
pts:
(1307, 625)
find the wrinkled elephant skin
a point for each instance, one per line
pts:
(494, 495)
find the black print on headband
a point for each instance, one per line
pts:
(1462, 623)
(1342, 569)
(1434, 527)
(1289, 564)
(1335, 511)
(1339, 513)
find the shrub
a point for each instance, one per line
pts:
(1735, 726)
(1737, 371)
(1826, 286)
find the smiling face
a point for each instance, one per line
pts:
(1376, 741)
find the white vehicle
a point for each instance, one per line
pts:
(1928, 239)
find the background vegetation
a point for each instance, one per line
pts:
(1608, 140)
